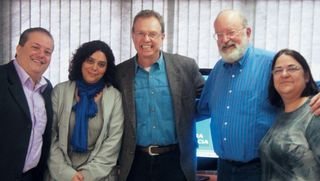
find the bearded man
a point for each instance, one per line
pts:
(235, 96)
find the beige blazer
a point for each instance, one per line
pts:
(102, 160)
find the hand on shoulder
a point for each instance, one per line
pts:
(315, 104)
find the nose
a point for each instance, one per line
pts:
(41, 53)
(95, 66)
(284, 73)
(146, 37)
(224, 38)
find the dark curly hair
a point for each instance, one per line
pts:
(84, 52)
(311, 86)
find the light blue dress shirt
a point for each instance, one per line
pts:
(235, 96)
(154, 108)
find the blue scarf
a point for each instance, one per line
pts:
(86, 108)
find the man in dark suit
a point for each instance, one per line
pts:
(159, 91)
(25, 108)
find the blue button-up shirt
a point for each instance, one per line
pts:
(235, 96)
(154, 108)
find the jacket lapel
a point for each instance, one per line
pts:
(66, 106)
(174, 79)
(128, 91)
(16, 89)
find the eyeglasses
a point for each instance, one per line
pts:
(229, 34)
(151, 35)
(291, 69)
(91, 61)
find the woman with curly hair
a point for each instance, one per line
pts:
(88, 118)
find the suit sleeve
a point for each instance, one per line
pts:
(198, 80)
(203, 103)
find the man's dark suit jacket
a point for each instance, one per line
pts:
(16, 124)
(185, 82)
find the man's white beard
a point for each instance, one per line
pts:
(235, 54)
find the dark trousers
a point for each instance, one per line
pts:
(239, 171)
(156, 168)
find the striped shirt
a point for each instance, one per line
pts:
(235, 96)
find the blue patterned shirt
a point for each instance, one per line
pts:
(154, 108)
(235, 96)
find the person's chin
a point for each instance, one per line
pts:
(228, 58)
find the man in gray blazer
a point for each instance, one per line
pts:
(159, 91)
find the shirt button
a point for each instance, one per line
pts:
(230, 91)
(233, 76)
(224, 139)
(225, 123)
(228, 107)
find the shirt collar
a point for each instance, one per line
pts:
(241, 63)
(26, 79)
(158, 65)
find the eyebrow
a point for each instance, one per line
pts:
(97, 59)
(36, 43)
(290, 65)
